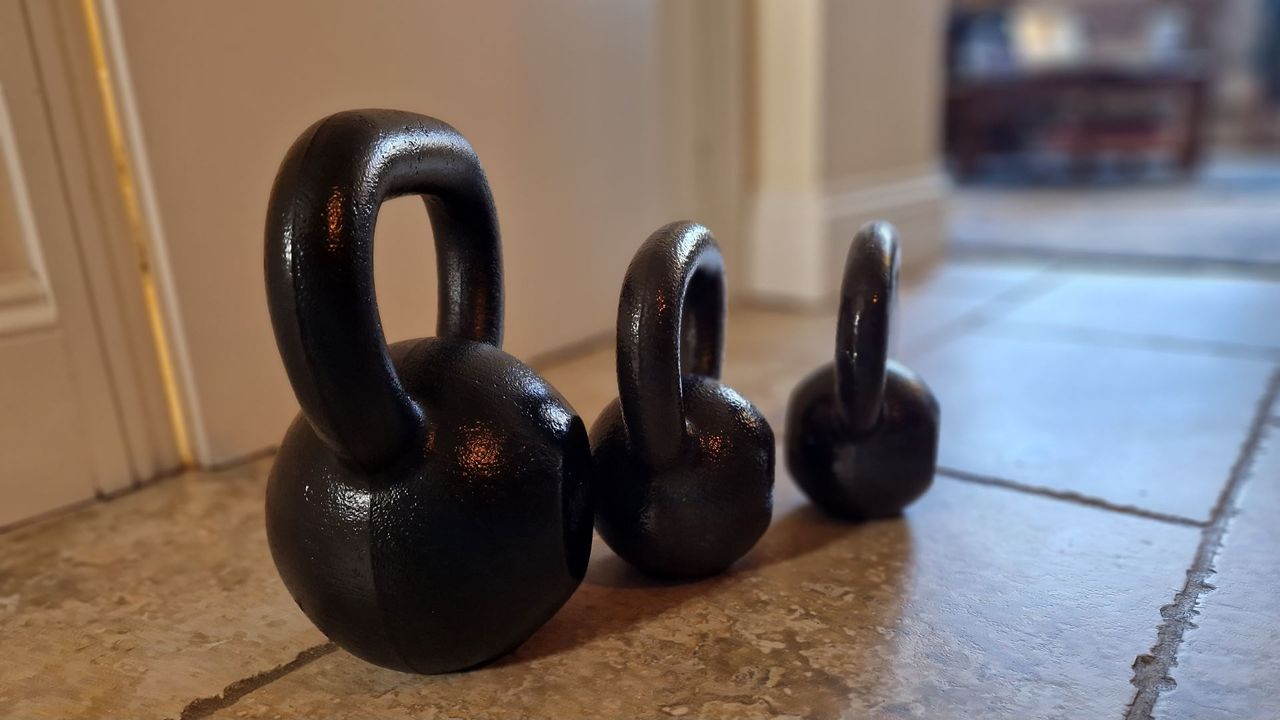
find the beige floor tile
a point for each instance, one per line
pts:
(1228, 214)
(985, 281)
(927, 305)
(957, 611)
(130, 609)
(981, 603)
(1136, 427)
(1234, 314)
(952, 295)
(1228, 668)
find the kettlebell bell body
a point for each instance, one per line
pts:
(429, 508)
(683, 464)
(862, 432)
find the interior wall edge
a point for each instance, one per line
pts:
(168, 332)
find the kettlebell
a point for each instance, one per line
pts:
(429, 507)
(862, 432)
(683, 464)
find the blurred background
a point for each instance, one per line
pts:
(1160, 120)
(139, 141)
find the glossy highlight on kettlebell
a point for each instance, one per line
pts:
(683, 464)
(862, 432)
(429, 508)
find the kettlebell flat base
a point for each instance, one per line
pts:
(456, 555)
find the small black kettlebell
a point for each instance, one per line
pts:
(429, 507)
(862, 433)
(684, 465)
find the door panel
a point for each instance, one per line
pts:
(60, 436)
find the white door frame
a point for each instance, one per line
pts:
(79, 63)
(64, 429)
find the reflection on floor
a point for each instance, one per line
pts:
(1099, 543)
(1227, 214)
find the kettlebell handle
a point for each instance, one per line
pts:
(862, 334)
(670, 321)
(319, 269)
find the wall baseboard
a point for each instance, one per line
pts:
(915, 204)
(787, 231)
(799, 239)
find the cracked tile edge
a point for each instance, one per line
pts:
(1152, 671)
(1068, 496)
(233, 693)
(975, 250)
(1123, 340)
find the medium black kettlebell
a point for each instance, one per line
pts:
(862, 432)
(684, 465)
(429, 508)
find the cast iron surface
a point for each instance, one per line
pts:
(684, 465)
(429, 508)
(862, 432)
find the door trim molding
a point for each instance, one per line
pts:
(110, 259)
(137, 190)
(26, 298)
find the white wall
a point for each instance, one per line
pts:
(883, 80)
(569, 104)
(597, 122)
(849, 101)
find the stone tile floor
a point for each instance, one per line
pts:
(1226, 215)
(1099, 543)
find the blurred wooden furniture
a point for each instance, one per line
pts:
(1081, 112)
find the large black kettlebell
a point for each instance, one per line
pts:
(684, 465)
(429, 508)
(862, 432)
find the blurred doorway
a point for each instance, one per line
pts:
(1129, 129)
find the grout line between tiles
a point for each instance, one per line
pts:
(989, 313)
(986, 312)
(1152, 671)
(1141, 341)
(99, 498)
(1068, 496)
(240, 460)
(1086, 261)
(231, 694)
